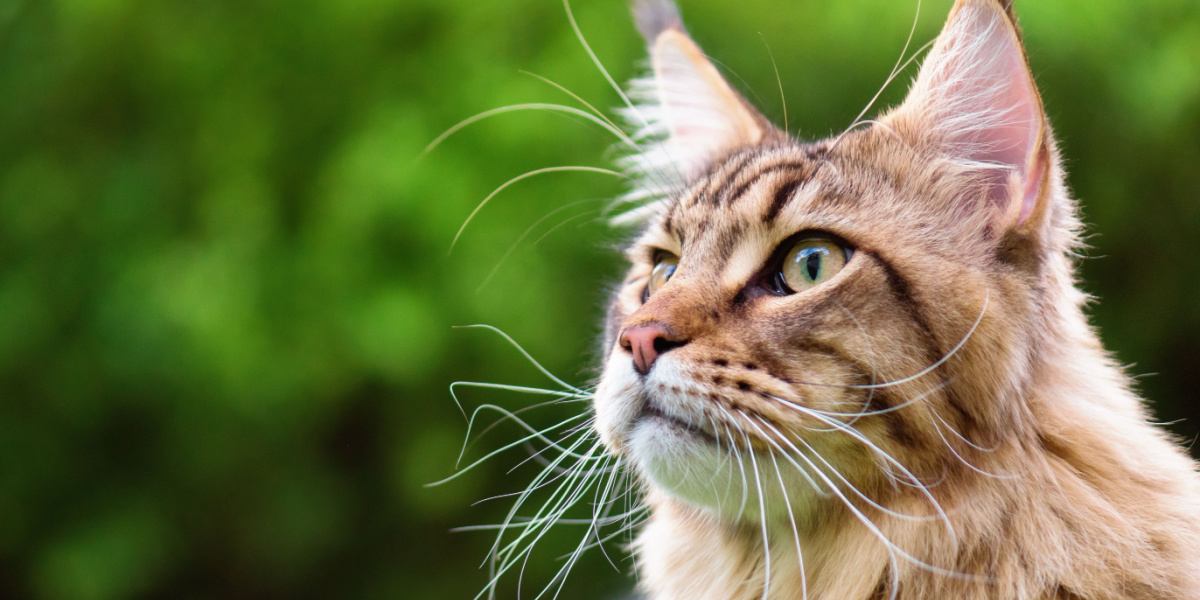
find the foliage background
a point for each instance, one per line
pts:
(225, 296)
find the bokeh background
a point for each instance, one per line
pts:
(226, 298)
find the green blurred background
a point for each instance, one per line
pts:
(226, 300)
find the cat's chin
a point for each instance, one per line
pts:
(692, 466)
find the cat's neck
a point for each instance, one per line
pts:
(1088, 486)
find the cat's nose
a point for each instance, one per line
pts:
(647, 342)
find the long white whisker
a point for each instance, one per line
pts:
(501, 450)
(862, 518)
(795, 531)
(966, 462)
(596, 61)
(963, 437)
(494, 552)
(510, 388)
(522, 177)
(778, 81)
(528, 231)
(897, 68)
(567, 501)
(528, 357)
(803, 473)
(563, 498)
(562, 88)
(923, 372)
(740, 463)
(855, 416)
(506, 415)
(762, 517)
(527, 106)
(854, 433)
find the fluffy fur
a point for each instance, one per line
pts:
(938, 420)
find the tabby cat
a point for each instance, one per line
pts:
(860, 367)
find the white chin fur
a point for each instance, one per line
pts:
(693, 469)
(690, 466)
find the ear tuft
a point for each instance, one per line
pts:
(656, 16)
(685, 114)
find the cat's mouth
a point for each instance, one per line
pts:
(652, 412)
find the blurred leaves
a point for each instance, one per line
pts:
(226, 301)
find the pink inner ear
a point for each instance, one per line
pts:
(975, 89)
(1008, 94)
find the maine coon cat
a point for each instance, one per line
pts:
(859, 367)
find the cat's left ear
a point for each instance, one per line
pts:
(685, 102)
(976, 102)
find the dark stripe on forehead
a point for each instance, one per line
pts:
(732, 166)
(783, 195)
(804, 170)
(669, 221)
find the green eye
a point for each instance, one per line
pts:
(811, 262)
(664, 268)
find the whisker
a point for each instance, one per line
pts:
(536, 484)
(966, 462)
(762, 514)
(862, 518)
(596, 61)
(548, 466)
(859, 121)
(527, 522)
(568, 500)
(529, 230)
(855, 416)
(522, 177)
(923, 372)
(562, 88)
(493, 553)
(778, 81)
(795, 531)
(527, 106)
(803, 473)
(501, 450)
(896, 68)
(963, 437)
(528, 357)
(566, 222)
(560, 576)
(506, 415)
(854, 433)
(563, 498)
(740, 463)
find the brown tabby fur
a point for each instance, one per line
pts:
(1028, 436)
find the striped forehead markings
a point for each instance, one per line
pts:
(731, 171)
(783, 194)
(802, 170)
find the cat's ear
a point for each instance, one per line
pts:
(976, 101)
(684, 101)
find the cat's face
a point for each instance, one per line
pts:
(801, 314)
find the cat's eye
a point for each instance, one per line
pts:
(810, 262)
(664, 268)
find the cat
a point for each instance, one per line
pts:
(860, 367)
(869, 353)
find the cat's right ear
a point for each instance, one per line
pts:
(685, 102)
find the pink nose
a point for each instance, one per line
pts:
(646, 343)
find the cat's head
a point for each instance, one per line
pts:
(859, 307)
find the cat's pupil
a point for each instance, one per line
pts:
(812, 264)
